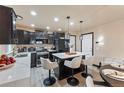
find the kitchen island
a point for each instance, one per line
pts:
(19, 74)
(62, 71)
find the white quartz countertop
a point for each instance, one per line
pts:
(20, 70)
(66, 56)
(50, 50)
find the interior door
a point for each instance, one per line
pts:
(87, 44)
(73, 42)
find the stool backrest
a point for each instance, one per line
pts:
(76, 62)
(89, 61)
(45, 62)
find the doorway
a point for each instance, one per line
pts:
(87, 44)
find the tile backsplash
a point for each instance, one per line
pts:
(6, 49)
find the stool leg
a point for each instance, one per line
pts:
(72, 73)
(86, 72)
(50, 80)
(72, 80)
(49, 74)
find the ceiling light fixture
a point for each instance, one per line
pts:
(80, 30)
(56, 19)
(67, 35)
(47, 27)
(59, 29)
(33, 13)
(33, 25)
(71, 23)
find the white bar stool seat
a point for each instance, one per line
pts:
(88, 63)
(47, 64)
(75, 63)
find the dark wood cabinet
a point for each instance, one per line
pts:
(7, 25)
(27, 37)
(50, 39)
(24, 37)
(19, 36)
(58, 35)
(60, 42)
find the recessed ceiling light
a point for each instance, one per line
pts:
(47, 27)
(33, 25)
(33, 13)
(56, 19)
(59, 29)
(71, 23)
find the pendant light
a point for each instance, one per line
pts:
(80, 30)
(68, 34)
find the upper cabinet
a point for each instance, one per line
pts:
(58, 35)
(7, 25)
(24, 37)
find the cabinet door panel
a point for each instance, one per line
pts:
(6, 25)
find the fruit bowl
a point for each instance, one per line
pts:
(6, 66)
(6, 62)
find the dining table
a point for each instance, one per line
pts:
(112, 82)
(62, 72)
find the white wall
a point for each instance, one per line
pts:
(113, 39)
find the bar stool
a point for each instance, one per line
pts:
(85, 66)
(47, 64)
(75, 63)
(88, 63)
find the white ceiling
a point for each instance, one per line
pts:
(92, 15)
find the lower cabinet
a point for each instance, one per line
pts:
(33, 60)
